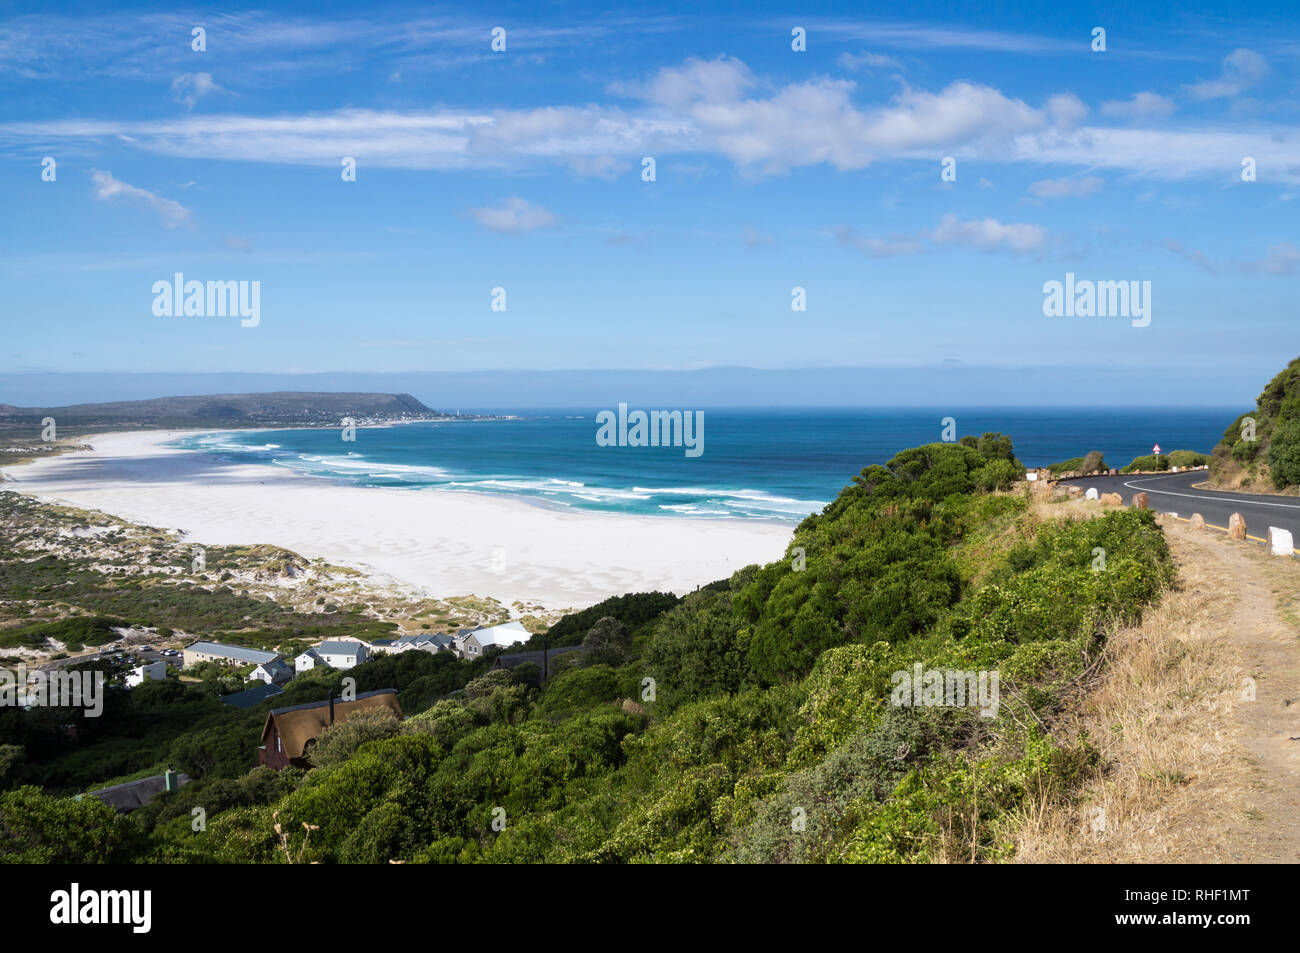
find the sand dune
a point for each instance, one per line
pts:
(446, 543)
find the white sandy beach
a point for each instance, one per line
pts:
(445, 543)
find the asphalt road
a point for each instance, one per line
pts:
(1177, 493)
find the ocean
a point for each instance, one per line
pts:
(765, 464)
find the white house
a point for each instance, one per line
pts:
(149, 672)
(423, 642)
(341, 654)
(474, 643)
(306, 661)
(272, 672)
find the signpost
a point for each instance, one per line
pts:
(1156, 450)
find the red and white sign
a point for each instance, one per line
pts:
(1156, 448)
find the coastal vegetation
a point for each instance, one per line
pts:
(1260, 450)
(1092, 463)
(755, 719)
(1175, 458)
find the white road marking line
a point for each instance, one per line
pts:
(1221, 499)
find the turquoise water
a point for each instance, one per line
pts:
(756, 464)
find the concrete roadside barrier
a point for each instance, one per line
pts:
(1092, 493)
(1237, 526)
(1198, 521)
(1280, 542)
(1140, 501)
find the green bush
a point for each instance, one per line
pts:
(1284, 453)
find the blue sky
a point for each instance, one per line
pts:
(774, 169)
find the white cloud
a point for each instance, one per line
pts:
(189, 88)
(108, 188)
(1242, 69)
(703, 108)
(754, 238)
(1065, 188)
(985, 235)
(989, 234)
(1066, 110)
(513, 216)
(719, 80)
(1141, 106)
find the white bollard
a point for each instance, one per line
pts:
(1092, 494)
(1280, 542)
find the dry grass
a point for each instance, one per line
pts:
(1173, 776)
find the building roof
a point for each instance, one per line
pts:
(129, 795)
(340, 648)
(309, 653)
(299, 724)
(277, 666)
(423, 639)
(238, 652)
(507, 633)
(253, 696)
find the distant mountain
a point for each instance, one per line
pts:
(1261, 450)
(225, 410)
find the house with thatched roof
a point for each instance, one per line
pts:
(290, 731)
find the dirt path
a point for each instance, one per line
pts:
(1191, 769)
(1260, 597)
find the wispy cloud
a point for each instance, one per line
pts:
(1143, 105)
(983, 235)
(859, 61)
(189, 88)
(513, 216)
(713, 107)
(1280, 259)
(878, 247)
(108, 188)
(917, 36)
(1197, 258)
(1242, 69)
(1065, 188)
(990, 235)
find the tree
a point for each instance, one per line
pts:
(1284, 453)
(338, 742)
(38, 829)
(1093, 462)
(608, 642)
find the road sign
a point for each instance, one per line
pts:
(1156, 449)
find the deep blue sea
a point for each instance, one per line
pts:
(778, 464)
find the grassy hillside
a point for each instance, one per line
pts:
(1267, 457)
(756, 719)
(286, 408)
